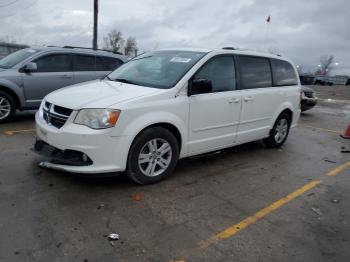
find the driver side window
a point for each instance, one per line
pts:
(221, 72)
(54, 63)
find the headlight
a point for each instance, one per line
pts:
(97, 118)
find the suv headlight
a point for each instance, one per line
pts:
(97, 118)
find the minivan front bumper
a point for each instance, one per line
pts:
(79, 149)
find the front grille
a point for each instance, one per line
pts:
(309, 94)
(56, 115)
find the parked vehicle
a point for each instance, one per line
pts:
(165, 105)
(308, 98)
(27, 75)
(8, 48)
(332, 80)
(306, 79)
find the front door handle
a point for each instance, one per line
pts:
(248, 98)
(234, 100)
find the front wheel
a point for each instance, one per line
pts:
(279, 132)
(7, 107)
(153, 155)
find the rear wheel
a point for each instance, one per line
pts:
(153, 155)
(279, 132)
(7, 107)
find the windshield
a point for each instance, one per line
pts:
(16, 57)
(158, 69)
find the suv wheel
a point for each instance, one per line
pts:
(7, 107)
(279, 132)
(153, 155)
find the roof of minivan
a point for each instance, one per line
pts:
(79, 50)
(229, 51)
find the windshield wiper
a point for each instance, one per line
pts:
(110, 79)
(123, 80)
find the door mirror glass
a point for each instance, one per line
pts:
(30, 67)
(200, 86)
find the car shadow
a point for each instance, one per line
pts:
(121, 180)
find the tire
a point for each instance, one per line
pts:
(7, 107)
(147, 162)
(281, 127)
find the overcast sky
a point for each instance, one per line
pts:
(300, 30)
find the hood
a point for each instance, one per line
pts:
(97, 94)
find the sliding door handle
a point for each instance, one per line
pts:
(248, 98)
(234, 100)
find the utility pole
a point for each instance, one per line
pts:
(94, 40)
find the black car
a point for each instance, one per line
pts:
(308, 98)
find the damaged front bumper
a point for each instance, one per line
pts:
(61, 157)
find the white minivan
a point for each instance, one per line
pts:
(165, 105)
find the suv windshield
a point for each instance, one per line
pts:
(158, 69)
(16, 57)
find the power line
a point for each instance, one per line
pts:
(11, 3)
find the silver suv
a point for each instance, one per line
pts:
(27, 75)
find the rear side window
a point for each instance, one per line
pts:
(255, 72)
(221, 71)
(54, 63)
(104, 63)
(84, 63)
(283, 73)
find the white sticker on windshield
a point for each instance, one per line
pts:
(180, 60)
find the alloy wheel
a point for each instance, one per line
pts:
(281, 130)
(5, 108)
(155, 157)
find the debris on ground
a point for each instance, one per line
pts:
(317, 211)
(335, 201)
(345, 150)
(137, 197)
(100, 206)
(111, 243)
(328, 160)
(50, 185)
(113, 236)
(310, 194)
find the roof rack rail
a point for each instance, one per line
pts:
(229, 48)
(81, 47)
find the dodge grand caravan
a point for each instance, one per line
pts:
(165, 105)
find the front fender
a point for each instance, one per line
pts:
(148, 119)
(8, 85)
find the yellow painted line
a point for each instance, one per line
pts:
(12, 132)
(234, 229)
(339, 169)
(320, 128)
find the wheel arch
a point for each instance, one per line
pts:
(166, 125)
(12, 94)
(285, 108)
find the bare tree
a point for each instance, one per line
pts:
(131, 47)
(114, 41)
(326, 64)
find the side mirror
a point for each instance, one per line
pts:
(200, 86)
(30, 67)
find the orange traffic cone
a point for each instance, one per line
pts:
(346, 133)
